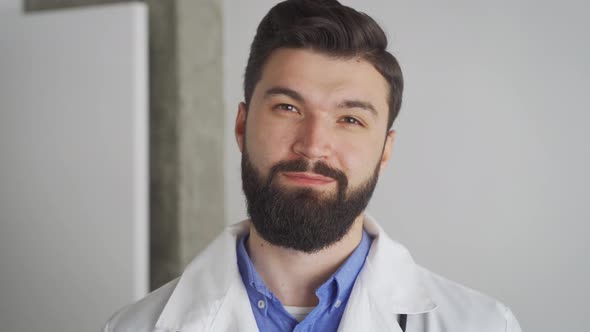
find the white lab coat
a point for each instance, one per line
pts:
(210, 296)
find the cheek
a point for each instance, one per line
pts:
(358, 161)
(267, 143)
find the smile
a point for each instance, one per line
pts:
(306, 178)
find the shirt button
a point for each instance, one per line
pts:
(261, 304)
(337, 304)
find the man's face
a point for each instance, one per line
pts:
(315, 128)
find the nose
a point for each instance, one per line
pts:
(313, 140)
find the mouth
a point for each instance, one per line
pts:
(307, 178)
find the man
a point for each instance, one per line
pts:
(321, 94)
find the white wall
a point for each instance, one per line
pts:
(10, 7)
(488, 184)
(73, 169)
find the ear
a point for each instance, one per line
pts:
(240, 126)
(387, 148)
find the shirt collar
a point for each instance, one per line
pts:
(337, 287)
(250, 276)
(347, 273)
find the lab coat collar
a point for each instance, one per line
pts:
(210, 279)
(390, 275)
(210, 295)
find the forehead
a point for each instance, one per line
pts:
(324, 79)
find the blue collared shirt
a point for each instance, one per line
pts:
(333, 295)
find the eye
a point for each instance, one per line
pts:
(351, 121)
(285, 107)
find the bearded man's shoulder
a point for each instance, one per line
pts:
(210, 273)
(463, 308)
(142, 315)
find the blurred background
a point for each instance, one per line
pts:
(118, 161)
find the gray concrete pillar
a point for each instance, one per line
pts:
(186, 128)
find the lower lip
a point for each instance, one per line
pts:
(307, 181)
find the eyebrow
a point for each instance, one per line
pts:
(364, 105)
(279, 90)
(354, 103)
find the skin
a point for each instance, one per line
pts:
(312, 106)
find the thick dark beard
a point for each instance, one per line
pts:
(300, 219)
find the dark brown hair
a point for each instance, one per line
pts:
(327, 27)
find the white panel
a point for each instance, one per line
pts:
(12, 7)
(73, 170)
(488, 184)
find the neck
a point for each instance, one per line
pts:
(293, 276)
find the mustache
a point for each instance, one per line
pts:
(302, 165)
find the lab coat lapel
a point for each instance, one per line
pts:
(210, 295)
(389, 284)
(363, 313)
(235, 313)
